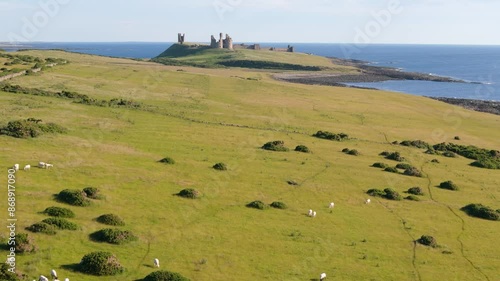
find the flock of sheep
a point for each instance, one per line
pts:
(41, 165)
(53, 274)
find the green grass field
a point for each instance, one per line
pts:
(200, 117)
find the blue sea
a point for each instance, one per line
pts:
(470, 63)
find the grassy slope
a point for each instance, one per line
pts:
(117, 149)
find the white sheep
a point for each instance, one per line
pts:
(156, 262)
(53, 273)
(368, 201)
(314, 214)
(16, 167)
(47, 165)
(43, 278)
(41, 165)
(310, 213)
(27, 167)
(332, 205)
(67, 279)
(322, 276)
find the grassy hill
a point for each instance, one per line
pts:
(200, 117)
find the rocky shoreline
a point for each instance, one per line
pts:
(492, 107)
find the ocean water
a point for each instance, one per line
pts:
(470, 63)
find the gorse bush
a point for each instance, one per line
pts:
(167, 160)
(74, 197)
(92, 192)
(416, 191)
(302, 148)
(403, 166)
(27, 129)
(412, 198)
(391, 170)
(331, 136)
(449, 154)
(391, 194)
(448, 185)
(376, 193)
(41, 227)
(165, 276)
(61, 224)
(257, 205)
(481, 211)
(5, 274)
(413, 172)
(380, 165)
(59, 212)
(279, 205)
(25, 243)
(275, 146)
(427, 240)
(189, 193)
(345, 150)
(489, 159)
(396, 156)
(220, 167)
(111, 219)
(353, 152)
(100, 264)
(113, 236)
(415, 143)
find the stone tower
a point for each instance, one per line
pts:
(221, 42)
(228, 42)
(180, 38)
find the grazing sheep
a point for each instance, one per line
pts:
(322, 276)
(157, 263)
(314, 214)
(368, 201)
(41, 165)
(310, 213)
(53, 273)
(16, 167)
(43, 278)
(331, 205)
(67, 279)
(27, 167)
(47, 165)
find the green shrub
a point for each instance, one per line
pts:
(481, 211)
(376, 193)
(92, 192)
(385, 153)
(74, 197)
(59, 212)
(431, 151)
(403, 166)
(100, 264)
(220, 167)
(111, 219)
(427, 241)
(27, 129)
(61, 224)
(416, 191)
(331, 136)
(257, 205)
(113, 236)
(380, 165)
(275, 146)
(391, 194)
(353, 152)
(279, 205)
(412, 198)
(449, 154)
(415, 143)
(396, 156)
(485, 158)
(25, 243)
(413, 172)
(167, 160)
(302, 148)
(448, 185)
(346, 150)
(41, 227)
(189, 193)
(391, 170)
(165, 276)
(435, 161)
(5, 274)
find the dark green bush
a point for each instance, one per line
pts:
(415, 143)
(100, 264)
(257, 205)
(92, 192)
(74, 197)
(189, 193)
(41, 227)
(113, 236)
(391, 194)
(275, 146)
(403, 166)
(111, 219)
(391, 170)
(486, 163)
(413, 172)
(6, 275)
(28, 129)
(485, 158)
(25, 243)
(412, 198)
(59, 212)
(385, 153)
(431, 151)
(449, 154)
(435, 161)
(416, 191)
(396, 156)
(353, 152)
(61, 224)
(481, 211)
(167, 160)
(448, 185)
(302, 148)
(331, 136)
(376, 193)
(346, 150)
(380, 165)
(165, 276)
(427, 241)
(220, 167)
(279, 205)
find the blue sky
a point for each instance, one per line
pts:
(316, 21)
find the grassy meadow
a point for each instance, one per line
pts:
(200, 117)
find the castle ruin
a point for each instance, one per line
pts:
(222, 43)
(180, 38)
